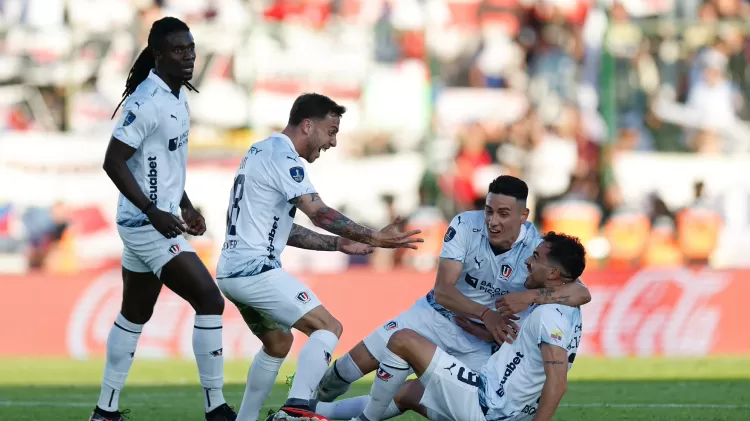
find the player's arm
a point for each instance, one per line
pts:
(185, 202)
(116, 167)
(331, 220)
(448, 296)
(572, 294)
(555, 361)
(304, 238)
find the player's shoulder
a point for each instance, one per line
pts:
(468, 220)
(555, 313)
(532, 237)
(141, 100)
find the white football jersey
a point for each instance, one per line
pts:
(260, 217)
(485, 276)
(513, 378)
(157, 124)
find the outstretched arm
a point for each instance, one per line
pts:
(331, 220)
(556, 384)
(304, 238)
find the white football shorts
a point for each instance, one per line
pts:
(450, 390)
(146, 250)
(436, 328)
(270, 300)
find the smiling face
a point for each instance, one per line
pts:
(504, 216)
(175, 57)
(321, 135)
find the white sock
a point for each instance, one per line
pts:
(209, 355)
(347, 409)
(312, 363)
(338, 378)
(260, 381)
(121, 344)
(391, 375)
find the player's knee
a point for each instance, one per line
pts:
(319, 319)
(210, 302)
(408, 397)
(334, 326)
(137, 315)
(402, 341)
(280, 346)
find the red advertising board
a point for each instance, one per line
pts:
(672, 312)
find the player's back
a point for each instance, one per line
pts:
(259, 215)
(514, 376)
(485, 275)
(156, 124)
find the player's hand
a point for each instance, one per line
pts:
(196, 224)
(348, 246)
(391, 238)
(502, 328)
(167, 224)
(514, 302)
(475, 329)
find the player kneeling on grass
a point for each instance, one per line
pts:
(524, 380)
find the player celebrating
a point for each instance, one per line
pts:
(481, 261)
(146, 160)
(269, 186)
(524, 380)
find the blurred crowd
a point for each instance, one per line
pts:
(552, 91)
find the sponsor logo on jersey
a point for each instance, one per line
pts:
(303, 297)
(129, 119)
(153, 179)
(528, 409)
(449, 234)
(472, 281)
(178, 142)
(391, 325)
(506, 271)
(297, 173)
(509, 369)
(384, 375)
(271, 237)
(174, 249)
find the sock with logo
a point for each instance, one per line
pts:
(121, 344)
(260, 381)
(391, 375)
(347, 409)
(209, 355)
(312, 363)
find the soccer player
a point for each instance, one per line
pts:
(481, 263)
(524, 380)
(270, 185)
(146, 160)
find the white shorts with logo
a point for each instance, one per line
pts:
(450, 390)
(146, 250)
(271, 300)
(436, 328)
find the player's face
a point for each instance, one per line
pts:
(321, 135)
(538, 267)
(177, 56)
(504, 216)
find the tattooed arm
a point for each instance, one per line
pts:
(304, 238)
(573, 294)
(556, 384)
(332, 220)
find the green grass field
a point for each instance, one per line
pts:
(600, 390)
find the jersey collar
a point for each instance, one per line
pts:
(286, 139)
(159, 82)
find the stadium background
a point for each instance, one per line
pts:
(628, 119)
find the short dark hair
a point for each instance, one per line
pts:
(507, 185)
(568, 252)
(313, 106)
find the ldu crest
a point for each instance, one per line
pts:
(297, 173)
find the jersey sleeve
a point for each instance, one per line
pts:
(138, 121)
(456, 240)
(554, 328)
(291, 177)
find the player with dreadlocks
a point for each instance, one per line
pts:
(146, 159)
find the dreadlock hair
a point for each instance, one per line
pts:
(146, 61)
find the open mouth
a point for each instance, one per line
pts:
(493, 231)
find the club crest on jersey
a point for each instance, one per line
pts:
(297, 173)
(303, 297)
(129, 119)
(449, 234)
(174, 249)
(506, 271)
(391, 325)
(384, 375)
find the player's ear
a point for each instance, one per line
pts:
(524, 215)
(306, 126)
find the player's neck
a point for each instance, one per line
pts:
(174, 85)
(300, 144)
